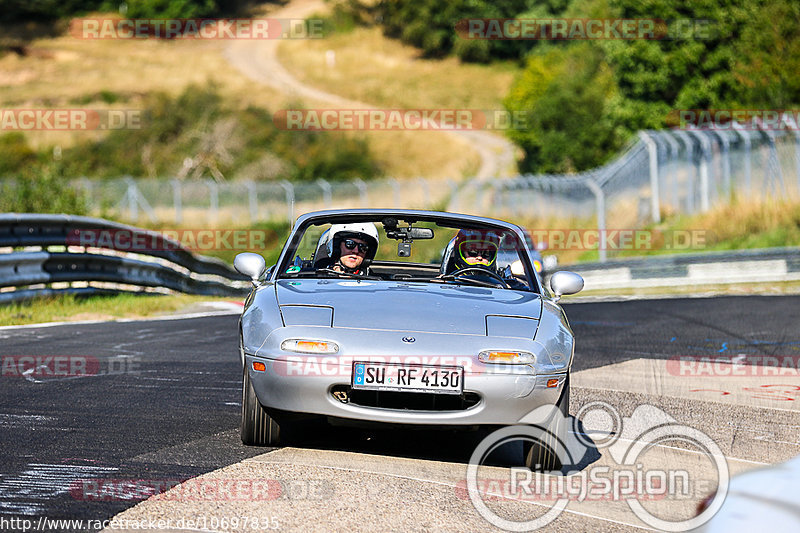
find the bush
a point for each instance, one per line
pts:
(15, 154)
(565, 96)
(45, 190)
(16, 11)
(220, 142)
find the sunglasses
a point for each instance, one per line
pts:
(486, 254)
(350, 244)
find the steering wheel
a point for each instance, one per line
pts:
(484, 271)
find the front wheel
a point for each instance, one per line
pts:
(258, 428)
(541, 456)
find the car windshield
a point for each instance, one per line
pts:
(425, 251)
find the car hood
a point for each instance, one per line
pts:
(405, 306)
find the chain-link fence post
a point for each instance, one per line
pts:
(748, 164)
(213, 193)
(252, 200)
(672, 165)
(395, 191)
(362, 191)
(600, 207)
(691, 170)
(326, 192)
(726, 162)
(705, 158)
(426, 192)
(289, 188)
(177, 200)
(652, 151)
(788, 120)
(452, 205)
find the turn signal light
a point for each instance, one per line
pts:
(258, 366)
(552, 383)
(309, 346)
(514, 358)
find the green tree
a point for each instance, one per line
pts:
(564, 94)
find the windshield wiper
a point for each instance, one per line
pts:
(468, 280)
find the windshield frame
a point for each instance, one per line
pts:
(450, 220)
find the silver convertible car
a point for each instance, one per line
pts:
(401, 317)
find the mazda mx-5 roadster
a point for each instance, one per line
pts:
(401, 317)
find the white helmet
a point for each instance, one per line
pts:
(365, 231)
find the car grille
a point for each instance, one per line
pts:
(412, 401)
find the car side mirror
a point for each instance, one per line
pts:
(565, 282)
(251, 265)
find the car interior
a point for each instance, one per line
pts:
(410, 250)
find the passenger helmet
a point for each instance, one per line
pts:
(366, 231)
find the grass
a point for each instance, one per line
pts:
(273, 235)
(385, 73)
(743, 224)
(71, 308)
(65, 70)
(107, 73)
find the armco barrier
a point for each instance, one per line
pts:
(172, 266)
(741, 266)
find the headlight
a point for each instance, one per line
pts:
(510, 358)
(309, 346)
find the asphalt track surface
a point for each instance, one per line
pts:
(161, 399)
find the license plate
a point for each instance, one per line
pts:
(411, 378)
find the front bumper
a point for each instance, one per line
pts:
(503, 398)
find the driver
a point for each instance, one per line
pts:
(350, 248)
(475, 249)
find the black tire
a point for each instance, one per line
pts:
(541, 456)
(258, 428)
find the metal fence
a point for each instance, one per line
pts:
(246, 202)
(671, 171)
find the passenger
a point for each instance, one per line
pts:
(350, 248)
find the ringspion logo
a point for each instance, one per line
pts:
(628, 476)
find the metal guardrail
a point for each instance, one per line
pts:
(740, 266)
(174, 267)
